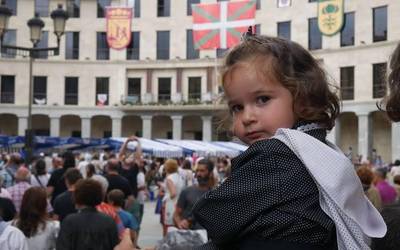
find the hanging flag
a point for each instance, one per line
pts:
(221, 25)
(330, 16)
(284, 3)
(118, 27)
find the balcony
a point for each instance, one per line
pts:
(72, 54)
(130, 99)
(39, 98)
(194, 98)
(71, 99)
(103, 54)
(164, 98)
(378, 90)
(7, 97)
(347, 93)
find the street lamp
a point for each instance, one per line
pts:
(35, 25)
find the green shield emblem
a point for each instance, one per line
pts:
(330, 16)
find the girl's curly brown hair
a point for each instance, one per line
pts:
(296, 69)
(392, 101)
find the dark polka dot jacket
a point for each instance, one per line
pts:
(269, 195)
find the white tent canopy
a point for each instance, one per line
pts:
(202, 148)
(154, 148)
(231, 145)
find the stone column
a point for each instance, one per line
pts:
(116, 127)
(364, 135)
(176, 127)
(22, 125)
(146, 126)
(85, 127)
(395, 141)
(207, 128)
(55, 126)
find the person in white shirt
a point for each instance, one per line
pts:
(11, 238)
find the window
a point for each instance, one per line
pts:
(101, 7)
(42, 7)
(347, 83)
(380, 24)
(191, 51)
(221, 52)
(12, 5)
(39, 90)
(102, 91)
(136, 9)
(347, 33)
(134, 89)
(43, 43)
(379, 83)
(7, 89)
(164, 89)
(194, 88)
(284, 30)
(103, 51)
(189, 6)
(314, 35)
(9, 38)
(71, 91)
(71, 45)
(163, 8)
(73, 8)
(133, 49)
(162, 44)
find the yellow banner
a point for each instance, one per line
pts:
(330, 16)
(118, 27)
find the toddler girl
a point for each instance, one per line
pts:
(291, 189)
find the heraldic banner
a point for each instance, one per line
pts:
(330, 16)
(118, 27)
(221, 25)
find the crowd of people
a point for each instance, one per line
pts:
(78, 201)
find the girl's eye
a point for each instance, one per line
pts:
(263, 99)
(235, 108)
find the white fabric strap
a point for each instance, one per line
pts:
(340, 191)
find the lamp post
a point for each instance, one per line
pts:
(35, 25)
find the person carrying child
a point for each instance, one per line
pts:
(291, 189)
(391, 102)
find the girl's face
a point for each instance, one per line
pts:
(258, 106)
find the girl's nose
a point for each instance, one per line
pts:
(249, 116)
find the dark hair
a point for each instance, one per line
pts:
(116, 196)
(69, 160)
(186, 164)
(72, 175)
(208, 163)
(88, 192)
(33, 211)
(295, 68)
(90, 170)
(40, 167)
(392, 100)
(113, 165)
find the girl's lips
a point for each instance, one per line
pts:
(254, 135)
